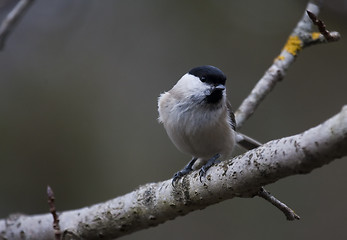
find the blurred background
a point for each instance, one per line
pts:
(78, 106)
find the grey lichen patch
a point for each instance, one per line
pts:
(297, 146)
(85, 226)
(259, 154)
(186, 190)
(256, 163)
(234, 175)
(181, 191)
(12, 218)
(97, 219)
(225, 168)
(69, 235)
(148, 198)
(108, 214)
(172, 205)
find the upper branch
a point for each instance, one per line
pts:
(301, 37)
(156, 203)
(12, 18)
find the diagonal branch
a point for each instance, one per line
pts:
(155, 203)
(12, 19)
(301, 37)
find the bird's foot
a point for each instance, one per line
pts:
(187, 169)
(210, 162)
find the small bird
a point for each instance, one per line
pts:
(198, 119)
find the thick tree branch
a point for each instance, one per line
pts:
(301, 37)
(155, 203)
(12, 19)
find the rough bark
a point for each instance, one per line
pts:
(155, 203)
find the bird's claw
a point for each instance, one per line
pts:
(187, 169)
(202, 173)
(203, 170)
(176, 177)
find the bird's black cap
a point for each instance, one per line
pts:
(209, 74)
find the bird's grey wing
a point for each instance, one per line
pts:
(244, 141)
(232, 116)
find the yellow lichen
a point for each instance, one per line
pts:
(293, 45)
(315, 35)
(279, 58)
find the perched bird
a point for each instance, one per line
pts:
(198, 119)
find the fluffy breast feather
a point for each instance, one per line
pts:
(196, 129)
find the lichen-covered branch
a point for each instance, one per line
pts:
(301, 37)
(155, 203)
(12, 19)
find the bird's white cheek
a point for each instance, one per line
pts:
(207, 92)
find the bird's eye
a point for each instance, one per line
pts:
(203, 79)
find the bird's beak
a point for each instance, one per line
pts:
(211, 90)
(219, 87)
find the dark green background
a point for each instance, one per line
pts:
(79, 82)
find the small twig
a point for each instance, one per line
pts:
(249, 144)
(290, 214)
(52, 209)
(322, 28)
(12, 18)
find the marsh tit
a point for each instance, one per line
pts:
(198, 119)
